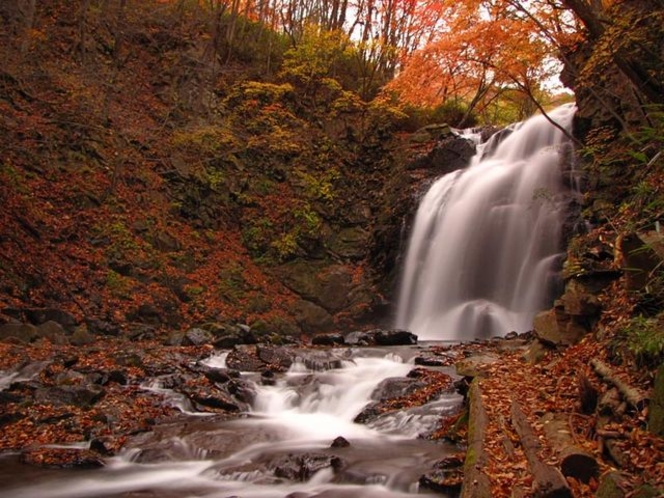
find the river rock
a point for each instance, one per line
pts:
(340, 442)
(394, 338)
(278, 358)
(327, 339)
(228, 335)
(446, 476)
(244, 360)
(62, 458)
(388, 390)
(215, 398)
(303, 466)
(358, 338)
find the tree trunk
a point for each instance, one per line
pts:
(632, 395)
(548, 482)
(574, 461)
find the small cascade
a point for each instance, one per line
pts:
(485, 246)
(282, 447)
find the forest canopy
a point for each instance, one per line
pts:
(489, 59)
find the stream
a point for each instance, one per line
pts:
(281, 448)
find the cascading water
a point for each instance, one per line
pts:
(298, 417)
(485, 245)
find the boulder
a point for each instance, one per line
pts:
(279, 358)
(358, 338)
(473, 366)
(18, 331)
(446, 476)
(37, 316)
(197, 337)
(640, 253)
(81, 396)
(394, 338)
(244, 360)
(101, 327)
(228, 335)
(557, 328)
(81, 337)
(327, 339)
(53, 331)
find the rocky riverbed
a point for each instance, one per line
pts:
(73, 400)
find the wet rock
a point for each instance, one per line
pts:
(268, 378)
(394, 338)
(214, 398)
(388, 390)
(340, 442)
(277, 357)
(62, 458)
(244, 361)
(216, 375)
(446, 476)
(430, 360)
(396, 387)
(536, 352)
(302, 467)
(319, 361)
(242, 391)
(327, 339)
(450, 154)
(359, 338)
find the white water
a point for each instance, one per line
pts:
(304, 412)
(485, 245)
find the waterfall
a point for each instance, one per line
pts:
(485, 247)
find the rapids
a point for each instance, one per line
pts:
(485, 246)
(298, 416)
